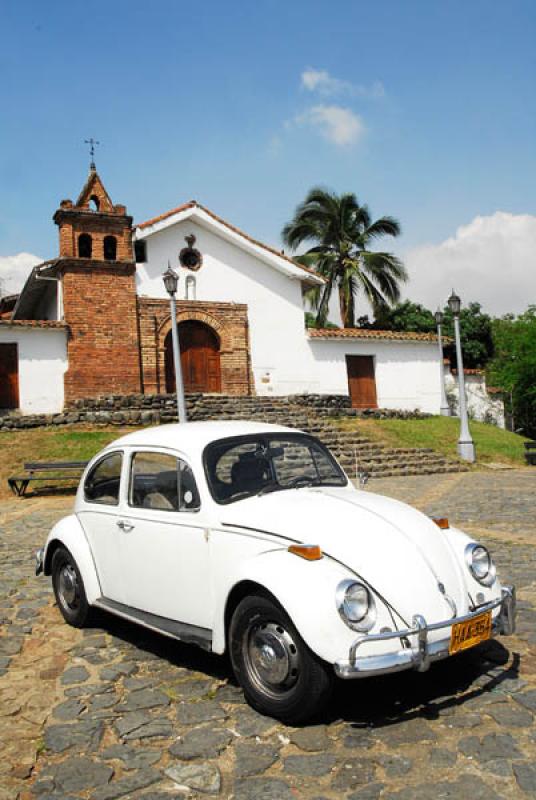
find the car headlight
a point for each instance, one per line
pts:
(480, 564)
(355, 604)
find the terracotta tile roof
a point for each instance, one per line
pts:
(195, 204)
(370, 333)
(32, 323)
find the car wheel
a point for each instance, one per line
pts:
(69, 589)
(279, 674)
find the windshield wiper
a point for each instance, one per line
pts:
(302, 481)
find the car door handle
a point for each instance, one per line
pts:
(124, 526)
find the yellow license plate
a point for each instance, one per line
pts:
(468, 634)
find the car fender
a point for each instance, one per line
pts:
(305, 589)
(70, 534)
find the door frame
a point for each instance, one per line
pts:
(15, 345)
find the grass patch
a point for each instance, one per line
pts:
(72, 443)
(441, 434)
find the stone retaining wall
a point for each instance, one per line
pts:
(140, 409)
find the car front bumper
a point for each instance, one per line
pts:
(419, 653)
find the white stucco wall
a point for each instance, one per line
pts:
(480, 405)
(407, 373)
(281, 358)
(42, 364)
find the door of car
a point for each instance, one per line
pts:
(164, 549)
(99, 515)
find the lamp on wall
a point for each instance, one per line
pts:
(466, 446)
(171, 282)
(444, 409)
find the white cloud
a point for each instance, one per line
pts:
(319, 80)
(491, 260)
(14, 270)
(336, 124)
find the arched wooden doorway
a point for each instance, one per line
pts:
(200, 358)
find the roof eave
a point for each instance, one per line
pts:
(208, 220)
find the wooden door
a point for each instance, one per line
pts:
(200, 359)
(361, 381)
(9, 376)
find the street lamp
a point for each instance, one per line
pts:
(445, 409)
(466, 447)
(171, 280)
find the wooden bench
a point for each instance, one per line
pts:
(41, 471)
(530, 453)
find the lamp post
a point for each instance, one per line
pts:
(445, 408)
(171, 280)
(466, 447)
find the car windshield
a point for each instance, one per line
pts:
(252, 465)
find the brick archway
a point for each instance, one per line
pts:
(228, 321)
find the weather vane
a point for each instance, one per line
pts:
(92, 142)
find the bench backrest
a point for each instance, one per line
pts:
(48, 466)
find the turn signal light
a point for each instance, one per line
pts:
(441, 522)
(311, 552)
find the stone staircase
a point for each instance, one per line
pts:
(316, 414)
(354, 451)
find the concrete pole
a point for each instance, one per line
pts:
(466, 447)
(445, 408)
(179, 385)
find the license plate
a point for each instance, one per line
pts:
(468, 634)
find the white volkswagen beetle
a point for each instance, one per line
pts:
(249, 538)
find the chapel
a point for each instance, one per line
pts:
(95, 320)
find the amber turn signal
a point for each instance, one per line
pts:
(311, 552)
(441, 522)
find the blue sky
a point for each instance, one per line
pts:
(425, 109)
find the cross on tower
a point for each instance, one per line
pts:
(92, 142)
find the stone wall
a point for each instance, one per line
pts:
(140, 409)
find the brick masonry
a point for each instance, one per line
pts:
(228, 320)
(100, 310)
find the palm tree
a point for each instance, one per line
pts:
(343, 232)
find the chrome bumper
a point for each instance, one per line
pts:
(419, 654)
(39, 560)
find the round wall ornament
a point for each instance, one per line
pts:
(189, 257)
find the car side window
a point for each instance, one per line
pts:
(163, 482)
(102, 483)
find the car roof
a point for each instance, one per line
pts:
(194, 436)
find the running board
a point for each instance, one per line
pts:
(182, 631)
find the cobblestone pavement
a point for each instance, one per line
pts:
(116, 712)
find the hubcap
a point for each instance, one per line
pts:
(272, 657)
(68, 587)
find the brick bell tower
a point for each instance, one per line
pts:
(99, 294)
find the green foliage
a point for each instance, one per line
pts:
(311, 321)
(342, 232)
(475, 334)
(406, 316)
(514, 367)
(475, 328)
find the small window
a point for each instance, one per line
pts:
(85, 245)
(162, 482)
(102, 483)
(190, 288)
(110, 248)
(94, 203)
(140, 250)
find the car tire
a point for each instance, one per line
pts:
(69, 589)
(281, 677)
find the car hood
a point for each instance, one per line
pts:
(398, 550)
